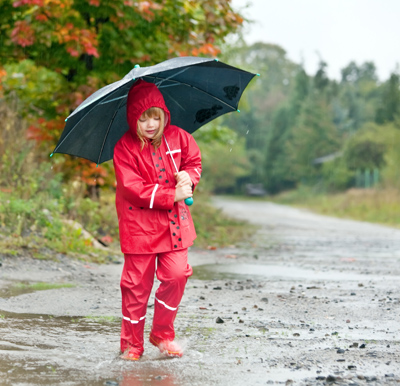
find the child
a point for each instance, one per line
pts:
(154, 222)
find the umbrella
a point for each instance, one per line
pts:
(195, 90)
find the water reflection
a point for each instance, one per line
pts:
(45, 350)
(42, 349)
(147, 377)
(241, 271)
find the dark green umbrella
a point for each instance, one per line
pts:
(196, 91)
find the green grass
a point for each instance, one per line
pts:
(20, 288)
(41, 286)
(103, 319)
(380, 206)
(34, 227)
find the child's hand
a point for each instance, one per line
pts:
(183, 192)
(182, 178)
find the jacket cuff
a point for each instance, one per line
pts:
(162, 198)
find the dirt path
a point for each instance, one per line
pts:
(309, 300)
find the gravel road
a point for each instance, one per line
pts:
(308, 300)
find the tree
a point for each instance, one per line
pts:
(277, 166)
(314, 135)
(321, 80)
(356, 100)
(262, 98)
(366, 150)
(364, 154)
(390, 101)
(86, 44)
(224, 158)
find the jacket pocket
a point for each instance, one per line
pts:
(142, 222)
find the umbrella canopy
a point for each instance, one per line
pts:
(195, 90)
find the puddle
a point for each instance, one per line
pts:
(261, 272)
(46, 350)
(24, 287)
(14, 290)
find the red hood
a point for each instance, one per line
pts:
(141, 97)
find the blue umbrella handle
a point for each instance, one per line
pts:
(189, 201)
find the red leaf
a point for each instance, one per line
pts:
(22, 34)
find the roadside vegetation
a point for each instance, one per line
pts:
(53, 57)
(380, 206)
(308, 140)
(43, 214)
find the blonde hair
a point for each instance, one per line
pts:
(153, 112)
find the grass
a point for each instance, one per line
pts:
(38, 229)
(42, 286)
(22, 288)
(380, 206)
(103, 319)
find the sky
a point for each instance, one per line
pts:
(337, 31)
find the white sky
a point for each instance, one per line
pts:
(338, 30)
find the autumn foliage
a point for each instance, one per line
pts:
(82, 45)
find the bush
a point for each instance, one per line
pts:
(336, 175)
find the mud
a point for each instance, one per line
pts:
(308, 300)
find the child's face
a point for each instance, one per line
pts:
(149, 126)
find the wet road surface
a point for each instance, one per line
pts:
(308, 300)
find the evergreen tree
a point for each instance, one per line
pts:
(390, 100)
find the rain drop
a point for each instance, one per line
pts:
(247, 132)
(230, 149)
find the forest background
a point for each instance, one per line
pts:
(308, 140)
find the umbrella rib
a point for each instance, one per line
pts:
(170, 77)
(108, 130)
(112, 100)
(196, 88)
(76, 125)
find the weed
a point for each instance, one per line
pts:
(41, 286)
(52, 369)
(373, 205)
(103, 319)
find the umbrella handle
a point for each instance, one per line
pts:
(189, 200)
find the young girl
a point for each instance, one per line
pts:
(154, 222)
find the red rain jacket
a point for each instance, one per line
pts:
(149, 220)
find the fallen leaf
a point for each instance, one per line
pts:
(231, 256)
(348, 259)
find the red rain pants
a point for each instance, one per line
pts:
(137, 280)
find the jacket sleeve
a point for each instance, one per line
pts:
(134, 188)
(191, 159)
